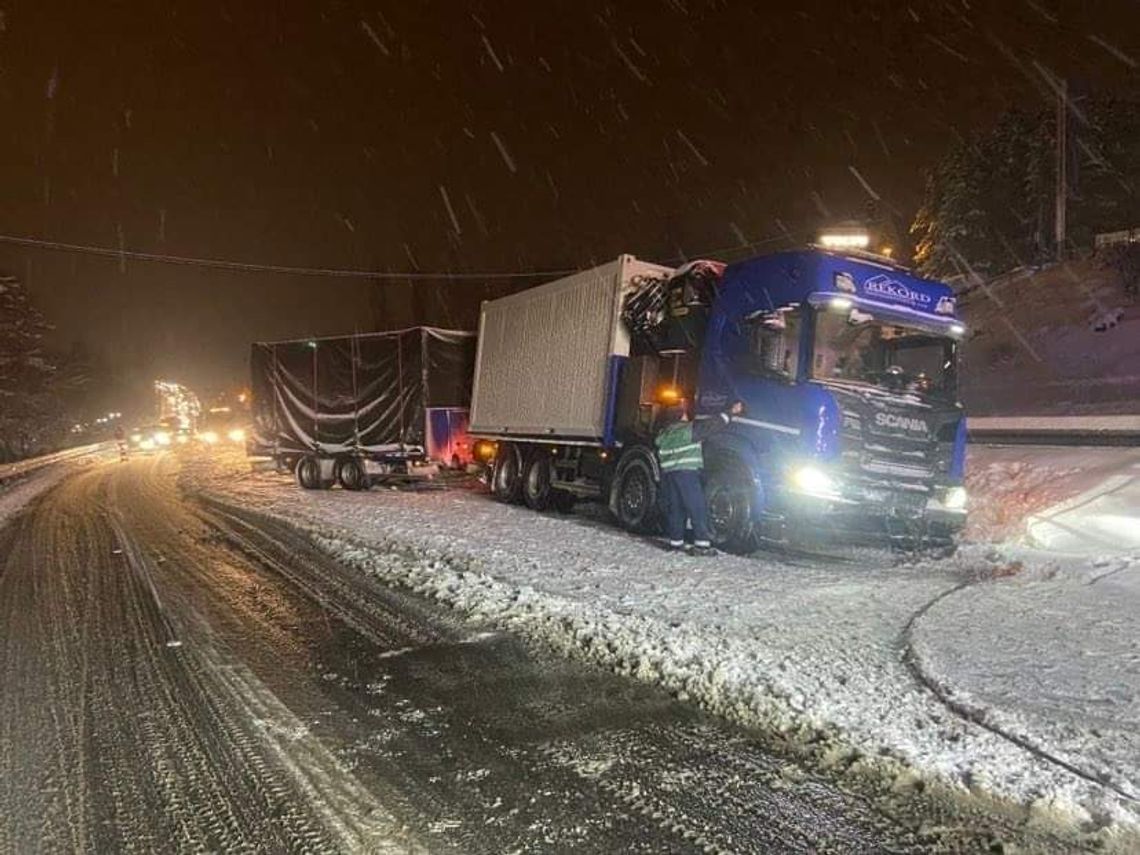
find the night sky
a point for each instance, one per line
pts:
(472, 136)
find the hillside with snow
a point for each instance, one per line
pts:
(1063, 339)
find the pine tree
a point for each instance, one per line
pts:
(28, 404)
(988, 205)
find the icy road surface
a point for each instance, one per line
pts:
(868, 663)
(178, 676)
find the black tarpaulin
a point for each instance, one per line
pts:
(363, 393)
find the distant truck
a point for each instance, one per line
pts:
(353, 409)
(846, 364)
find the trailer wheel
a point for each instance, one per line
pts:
(537, 478)
(506, 477)
(308, 474)
(729, 496)
(351, 475)
(635, 495)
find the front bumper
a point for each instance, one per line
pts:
(873, 515)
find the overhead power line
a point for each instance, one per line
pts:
(251, 267)
(330, 272)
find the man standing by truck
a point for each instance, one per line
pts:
(682, 460)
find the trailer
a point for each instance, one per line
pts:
(547, 377)
(846, 365)
(351, 410)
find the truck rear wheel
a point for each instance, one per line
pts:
(538, 475)
(351, 475)
(506, 477)
(308, 474)
(634, 500)
(730, 499)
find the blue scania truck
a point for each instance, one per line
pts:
(846, 364)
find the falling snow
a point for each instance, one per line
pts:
(507, 159)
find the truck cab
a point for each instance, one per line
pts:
(847, 367)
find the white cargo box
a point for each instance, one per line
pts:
(543, 367)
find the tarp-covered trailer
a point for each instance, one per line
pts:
(351, 409)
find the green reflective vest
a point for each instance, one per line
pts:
(677, 450)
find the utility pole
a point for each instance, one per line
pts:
(1062, 167)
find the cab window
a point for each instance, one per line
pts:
(773, 344)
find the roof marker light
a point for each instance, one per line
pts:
(844, 240)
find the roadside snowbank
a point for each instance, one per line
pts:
(1081, 500)
(21, 482)
(815, 650)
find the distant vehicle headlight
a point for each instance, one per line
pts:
(161, 437)
(236, 435)
(955, 499)
(183, 439)
(813, 480)
(208, 436)
(147, 444)
(136, 438)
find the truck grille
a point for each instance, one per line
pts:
(889, 457)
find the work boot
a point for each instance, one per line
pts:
(675, 545)
(703, 549)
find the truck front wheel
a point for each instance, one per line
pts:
(506, 477)
(537, 479)
(635, 497)
(729, 496)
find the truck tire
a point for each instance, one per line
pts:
(506, 476)
(730, 496)
(308, 474)
(538, 475)
(351, 475)
(634, 496)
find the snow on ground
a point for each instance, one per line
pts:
(23, 481)
(1051, 654)
(820, 651)
(1017, 490)
(1055, 355)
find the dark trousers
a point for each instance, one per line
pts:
(685, 500)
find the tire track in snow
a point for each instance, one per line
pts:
(978, 716)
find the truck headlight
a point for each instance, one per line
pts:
(813, 480)
(236, 435)
(162, 437)
(955, 499)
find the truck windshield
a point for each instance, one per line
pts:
(857, 348)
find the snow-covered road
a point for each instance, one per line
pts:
(187, 675)
(830, 653)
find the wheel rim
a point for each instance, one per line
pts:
(634, 496)
(726, 512)
(506, 475)
(536, 480)
(308, 472)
